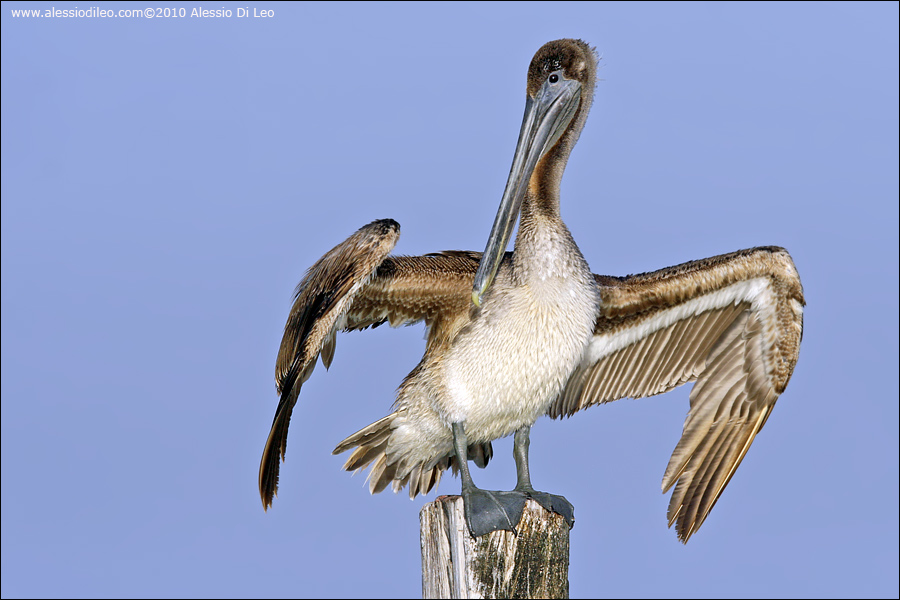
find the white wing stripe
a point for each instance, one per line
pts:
(756, 292)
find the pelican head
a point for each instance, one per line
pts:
(558, 98)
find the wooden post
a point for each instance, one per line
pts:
(532, 564)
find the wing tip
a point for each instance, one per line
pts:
(268, 478)
(384, 226)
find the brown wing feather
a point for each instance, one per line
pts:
(320, 301)
(408, 289)
(353, 286)
(733, 323)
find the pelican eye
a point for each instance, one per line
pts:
(554, 78)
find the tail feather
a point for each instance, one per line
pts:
(362, 456)
(373, 435)
(391, 468)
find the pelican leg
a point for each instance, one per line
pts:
(486, 511)
(551, 502)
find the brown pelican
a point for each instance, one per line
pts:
(515, 335)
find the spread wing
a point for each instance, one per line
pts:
(353, 286)
(733, 324)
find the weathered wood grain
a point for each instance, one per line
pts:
(532, 564)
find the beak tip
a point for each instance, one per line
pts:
(476, 298)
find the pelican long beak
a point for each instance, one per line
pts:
(547, 116)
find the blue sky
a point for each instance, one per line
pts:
(166, 183)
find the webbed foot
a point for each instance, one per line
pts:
(488, 511)
(553, 503)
